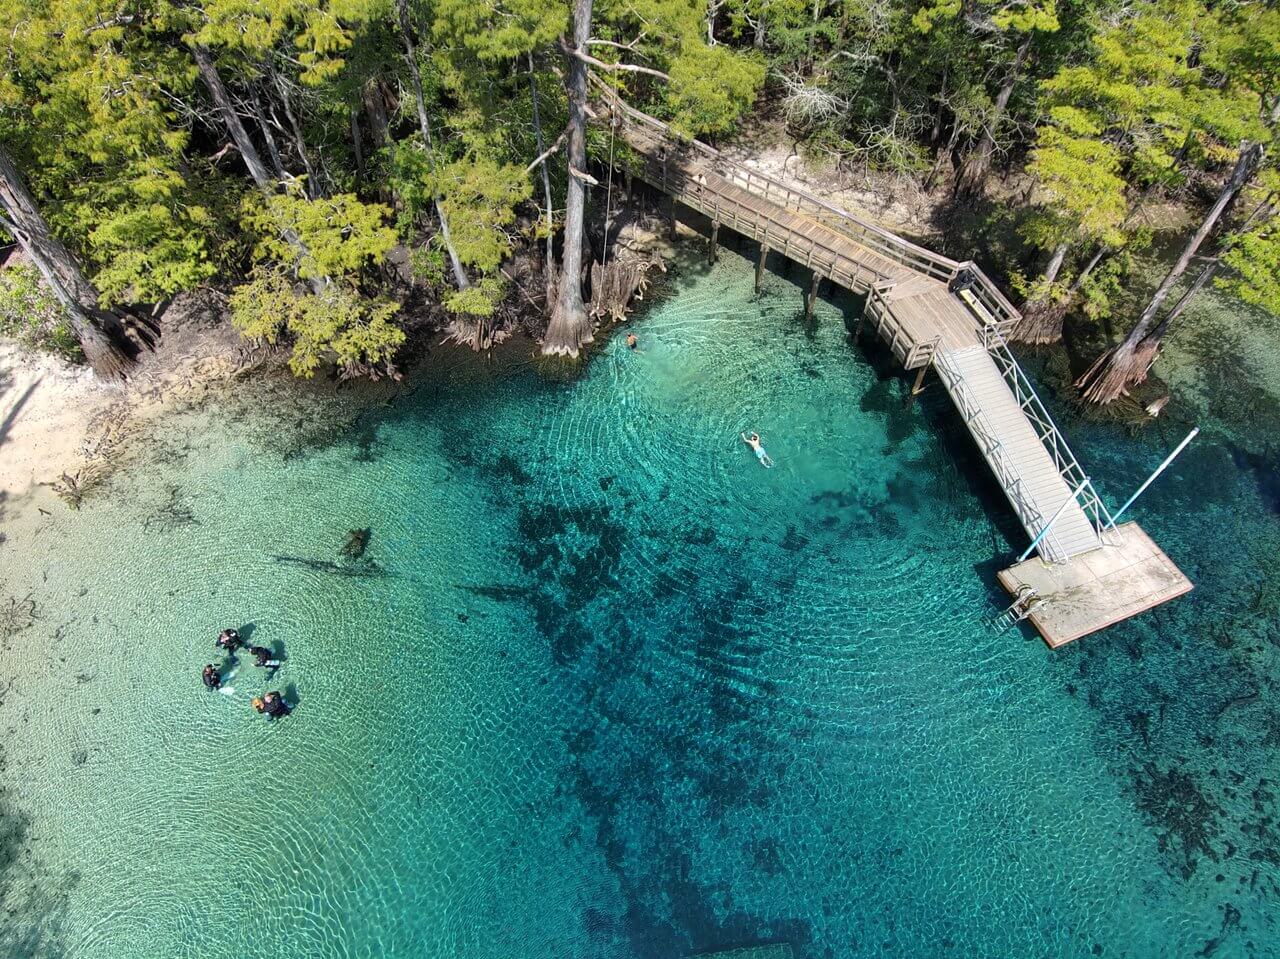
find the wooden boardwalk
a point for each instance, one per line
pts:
(931, 311)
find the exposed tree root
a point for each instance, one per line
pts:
(615, 284)
(568, 331)
(1117, 371)
(1041, 323)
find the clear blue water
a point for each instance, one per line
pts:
(603, 687)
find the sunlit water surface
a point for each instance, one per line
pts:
(603, 687)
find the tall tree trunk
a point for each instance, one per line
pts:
(406, 28)
(239, 136)
(1042, 316)
(357, 145)
(1078, 283)
(376, 108)
(1125, 366)
(100, 332)
(570, 327)
(546, 185)
(941, 160)
(314, 187)
(273, 151)
(248, 152)
(978, 163)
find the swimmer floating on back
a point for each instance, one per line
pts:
(754, 442)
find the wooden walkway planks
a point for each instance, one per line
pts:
(1029, 476)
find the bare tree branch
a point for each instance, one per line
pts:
(611, 67)
(548, 151)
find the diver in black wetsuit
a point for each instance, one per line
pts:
(274, 705)
(229, 639)
(212, 678)
(264, 657)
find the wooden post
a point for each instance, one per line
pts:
(813, 295)
(715, 234)
(764, 252)
(916, 387)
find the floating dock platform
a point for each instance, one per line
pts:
(1097, 589)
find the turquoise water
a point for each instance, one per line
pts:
(603, 687)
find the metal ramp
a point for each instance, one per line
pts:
(1016, 452)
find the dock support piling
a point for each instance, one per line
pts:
(917, 387)
(715, 235)
(811, 298)
(764, 252)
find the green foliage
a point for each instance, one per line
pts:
(498, 31)
(427, 264)
(479, 197)
(711, 87)
(1079, 175)
(1107, 286)
(341, 233)
(337, 325)
(1254, 258)
(30, 314)
(479, 299)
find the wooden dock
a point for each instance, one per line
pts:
(931, 311)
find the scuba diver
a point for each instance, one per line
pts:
(212, 678)
(273, 705)
(264, 657)
(229, 639)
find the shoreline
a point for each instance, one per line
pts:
(47, 407)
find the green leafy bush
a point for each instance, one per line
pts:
(30, 314)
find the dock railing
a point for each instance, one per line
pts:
(1002, 464)
(1046, 429)
(869, 235)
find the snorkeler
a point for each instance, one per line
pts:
(273, 705)
(263, 657)
(229, 639)
(212, 678)
(754, 442)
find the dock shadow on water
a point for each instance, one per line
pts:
(596, 683)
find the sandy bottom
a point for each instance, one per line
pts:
(46, 407)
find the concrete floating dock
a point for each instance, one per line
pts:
(1099, 588)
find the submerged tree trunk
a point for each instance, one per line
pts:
(978, 163)
(1122, 367)
(402, 6)
(570, 326)
(546, 186)
(1042, 316)
(100, 332)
